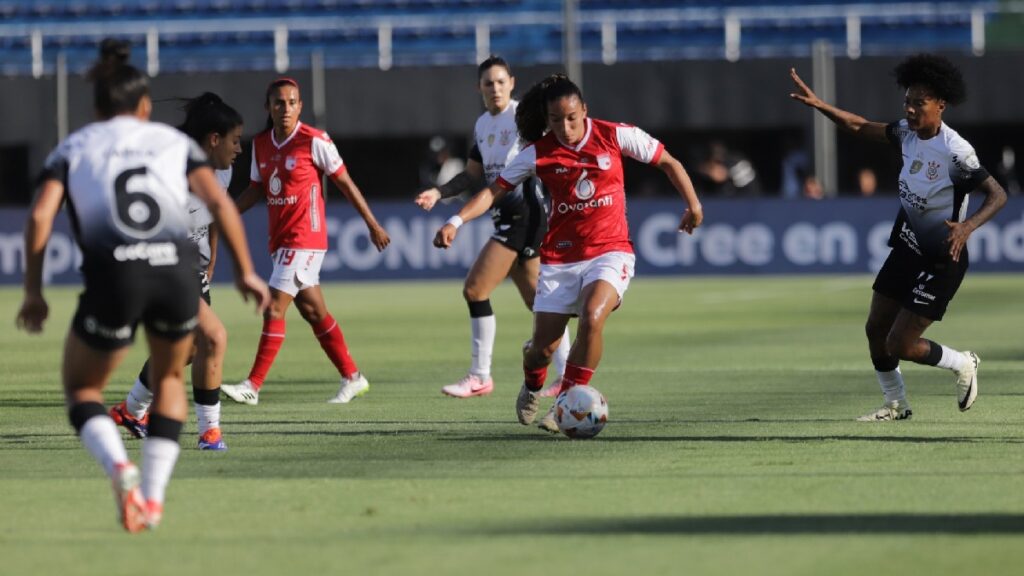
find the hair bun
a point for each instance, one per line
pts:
(115, 51)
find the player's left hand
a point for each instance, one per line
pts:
(959, 232)
(252, 285)
(692, 218)
(34, 311)
(379, 237)
(445, 236)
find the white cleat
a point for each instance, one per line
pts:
(350, 389)
(243, 392)
(967, 382)
(527, 405)
(896, 410)
(548, 422)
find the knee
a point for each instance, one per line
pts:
(213, 340)
(899, 346)
(876, 331)
(312, 314)
(590, 321)
(472, 292)
(275, 311)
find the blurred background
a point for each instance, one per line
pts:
(394, 81)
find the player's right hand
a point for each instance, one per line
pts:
(428, 198)
(805, 94)
(445, 236)
(252, 285)
(379, 237)
(34, 311)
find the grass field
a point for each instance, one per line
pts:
(731, 447)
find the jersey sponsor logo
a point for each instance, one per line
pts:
(566, 207)
(286, 201)
(916, 166)
(289, 163)
(561, 170)
(275, 184)
(584, 188)
(909, 238)
(157, 253)
(910, 199)
(968, 164)
(933, 170)
(604, 161)
(563, 245)
(93, 326)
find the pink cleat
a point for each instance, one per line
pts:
(553, 389)
(471, 385)
(131, 509)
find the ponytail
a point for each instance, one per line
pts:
(206, 114)
(532, 113)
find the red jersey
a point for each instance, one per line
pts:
(290, 174)
(588, 199)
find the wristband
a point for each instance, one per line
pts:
(455, 221)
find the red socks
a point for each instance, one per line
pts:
(333, 342)
(534, 377)
(575, 376)
(270, 343)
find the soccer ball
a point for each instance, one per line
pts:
(581, 412)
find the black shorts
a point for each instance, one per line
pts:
(120, 294)
(521, 228)
(922, 286)
(204, 288)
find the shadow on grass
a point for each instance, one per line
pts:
(806, 524)
(742, 439)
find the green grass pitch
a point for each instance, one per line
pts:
(731, 447)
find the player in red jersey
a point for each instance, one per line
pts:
(587, 256)
(289, 160)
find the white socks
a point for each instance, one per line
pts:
(102, 439)
(951, 359)
(209, 416)
(138, 400)
(892, 385)
(158, 458)
(561, 354)
(482, 346)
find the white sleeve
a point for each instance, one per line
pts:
(523, 166)
(637, 144)
(325, 154)
(254, 170)
(224, 177)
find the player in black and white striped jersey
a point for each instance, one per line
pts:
(126, 181)
(520, 222)
(217, 128)
(929, 256)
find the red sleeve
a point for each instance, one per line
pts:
(657, 153)
(504, 184)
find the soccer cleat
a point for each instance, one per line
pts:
(895, 410)
(350, 389)
(137, 427)
(553, 389)
(548, 422)
(154, 514)
(967, 381)
(243, 392)
(212, 440)
(527, 404)
(470, 385)
(131, 508)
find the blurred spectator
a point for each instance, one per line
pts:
(867, 182)
(796, 167)
(1006, 172)
(726, 173)
(439, 166)
(812, 188)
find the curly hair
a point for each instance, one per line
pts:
(935, 73)
(532, 113)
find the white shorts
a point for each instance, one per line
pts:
(296, 270)
(560, 286)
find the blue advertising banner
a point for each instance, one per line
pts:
(770, 236)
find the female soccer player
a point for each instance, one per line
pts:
(587, 256)
(929, 238)
(520, 221)
(217, 128)
(289, 159)
(126, 182)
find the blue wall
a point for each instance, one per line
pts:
(750, 237)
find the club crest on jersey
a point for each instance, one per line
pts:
(289, 163)
(490, 140)
(584, 188)
(604, 161)
(933, 170)
(506, 137)
(916, 166)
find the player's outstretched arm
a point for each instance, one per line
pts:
(469, 179)
(204, 185)
(874, 131)
(959, 232)
(378, 235)
(694, 214)
(476, 206)
(34, 309)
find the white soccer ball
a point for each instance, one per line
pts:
(581, 412)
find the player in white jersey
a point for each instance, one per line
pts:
(126, 181)
(520, 222)
(217, 128)
(929, 238)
